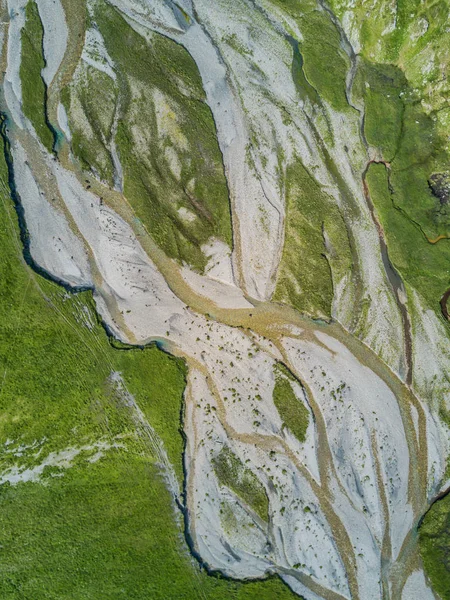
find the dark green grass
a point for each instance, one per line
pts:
(233, 474)
(33, 87)
(434, 542)
(55, 370)
(292, 411)
(408, 138)
(325, 63)
(421, 153)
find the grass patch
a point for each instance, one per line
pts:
(377, 35)
(304, 88)
(34, 93)
(421, 264)
(56, 362)
(414, 37)
(95, 533)
(382, 87)
(305, 277)
(421, 153)
(90, 103)
(234, 475)
(410, 209)
(167, 141)
(293, 412)
(325, 64)
(434, 544)
(104, 530)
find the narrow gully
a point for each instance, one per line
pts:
(444, 305)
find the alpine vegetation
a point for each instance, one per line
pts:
(261, 189)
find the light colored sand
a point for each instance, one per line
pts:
(295, 533)
(416, 588)
(12, 82)
(220, 264)
(63, 121)
(129, 277)
(365, 410)
(300, 589)
(53, 245)
(62, 459)
(55, 36)
(240, 104)
(258, 207)
(222, 294)
(95, 53)
(186, 215)
(137, 304)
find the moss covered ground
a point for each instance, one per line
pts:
(399, 122)
(409, 139)
(101, 526)
(411, 34)
(92, 128)
(381, 87)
